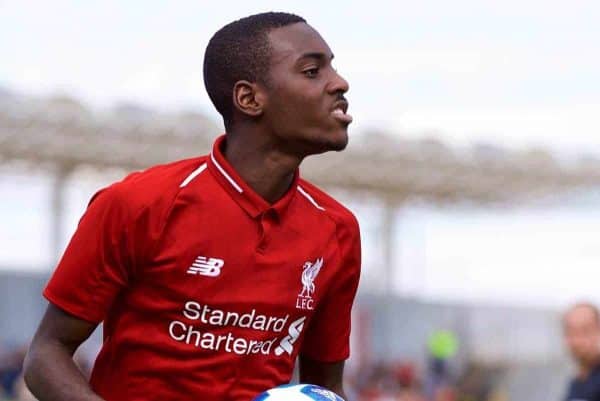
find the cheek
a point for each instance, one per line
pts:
(573, 344)
(296, 103)
(592, 343)
(575, 341)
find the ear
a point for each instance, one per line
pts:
(248, 98)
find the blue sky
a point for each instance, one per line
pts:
(515, 73)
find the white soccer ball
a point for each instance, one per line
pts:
(298, 392)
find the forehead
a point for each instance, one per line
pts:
(290, 42)
(580, 316)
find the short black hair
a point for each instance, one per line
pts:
(240, 51)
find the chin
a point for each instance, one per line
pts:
(327, 141)
(338, 141)
(338, 147)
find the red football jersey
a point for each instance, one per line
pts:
(207, 292)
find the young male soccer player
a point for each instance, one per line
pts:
(211, 275)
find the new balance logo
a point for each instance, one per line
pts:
(204, 266)
(294, 331)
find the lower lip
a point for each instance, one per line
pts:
(343, 118)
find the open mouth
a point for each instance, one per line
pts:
(339, 112)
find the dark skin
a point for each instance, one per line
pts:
(275, 125)
(328, 375)
(49, 369)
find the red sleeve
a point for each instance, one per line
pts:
(96, 265)
(327, 338)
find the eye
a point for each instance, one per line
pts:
(311, 72)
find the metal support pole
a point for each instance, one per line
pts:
(388, 231)
(57, 213)
(389, 274)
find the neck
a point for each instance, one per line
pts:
(261, 163)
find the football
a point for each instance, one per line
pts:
(298, 392)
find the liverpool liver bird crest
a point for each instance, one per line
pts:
(308, 277)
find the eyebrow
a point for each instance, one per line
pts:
(316, 55)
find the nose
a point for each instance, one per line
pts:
(338, 84)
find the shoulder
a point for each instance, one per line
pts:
(347, 234)
(345, 221)
(155, 187)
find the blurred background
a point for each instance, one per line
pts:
(473, 168)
